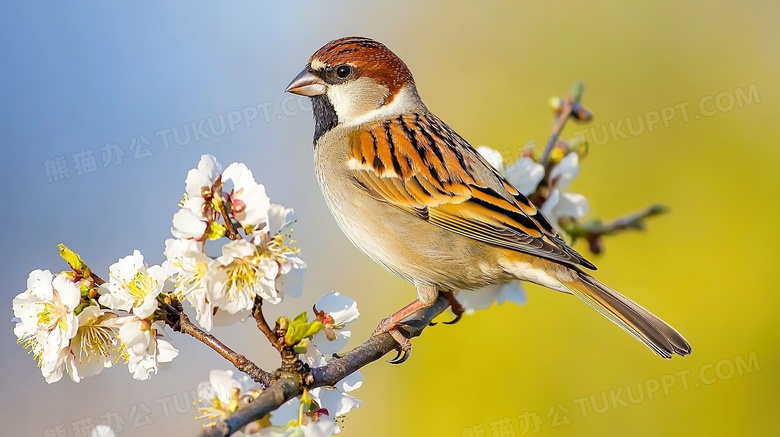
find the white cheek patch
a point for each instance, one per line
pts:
(342, 103)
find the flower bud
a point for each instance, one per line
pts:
(580, 113)
(595, 245)
(282, 323)
(556, 103)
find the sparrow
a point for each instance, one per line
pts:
(419, 200)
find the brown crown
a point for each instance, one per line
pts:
(370, 58)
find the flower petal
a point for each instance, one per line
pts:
(277, 218)
(343, 309)
(564, 173)
(353, 381)
(203, 176)
(69, 292)
(525, 175)
(572, 205)
(326, 346)
(187, 224)
(290, 283)
(334, 401)
(255, 202)
(39, 283)
(492, 156)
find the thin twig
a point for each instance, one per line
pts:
(288, 387)
(97, 280)
(181, 323)
(560, 122)
(569, 107)
(263, 326)
(595, 230)
(232, 233)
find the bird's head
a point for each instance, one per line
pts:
(355, 80)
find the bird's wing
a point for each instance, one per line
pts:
(418, 164)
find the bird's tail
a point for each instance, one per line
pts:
(637, 321)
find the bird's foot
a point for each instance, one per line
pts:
(390, 325)
(455, 307)
(404, 344)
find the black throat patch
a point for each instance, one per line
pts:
(325, 117)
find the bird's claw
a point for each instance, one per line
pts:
(457, 318)
(401, 357)
(404, 344)
(404, 347)
(455, 307)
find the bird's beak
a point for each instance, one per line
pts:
(307, 84)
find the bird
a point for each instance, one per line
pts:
(419, 200)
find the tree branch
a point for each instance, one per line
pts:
(560, 121)
(288, 387)
(565, 108)
(263, 326)
(232, 233)
(593, 231)
(182, 323)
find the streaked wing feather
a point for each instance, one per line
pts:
(418, 164)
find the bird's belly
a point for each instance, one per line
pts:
(405, 244)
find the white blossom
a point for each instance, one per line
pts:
(323, 426)
(187, 224)
(335, 399)
(248, 199)
(199, 184)
(222, 385)
(190, 268)
(332, 401)
(95, 345)
(192, 220)
(560, 203)
(242, 274)
(493, 157)
(483, 298)
(224, 393)
(275, 244)
(92, 348)
(524, 174)
(146, 345)
(336, 312)
(46, 319)
(133, 286)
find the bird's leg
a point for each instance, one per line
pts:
(455, 307)
(390, 325)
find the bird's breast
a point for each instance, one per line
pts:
(403, 243)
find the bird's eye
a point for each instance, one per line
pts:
(343, 71)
